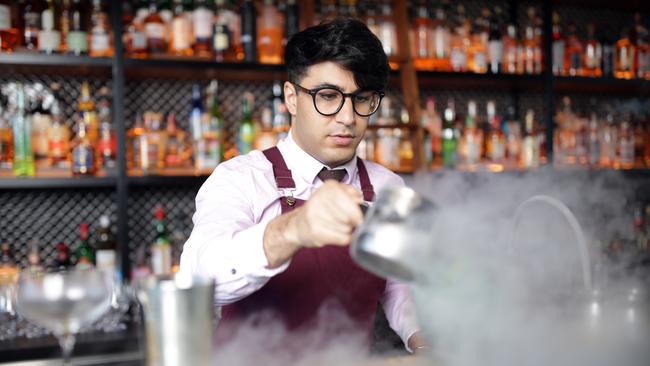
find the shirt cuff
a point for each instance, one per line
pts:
(250, 249)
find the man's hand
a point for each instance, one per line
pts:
(328, 217)
(418, 344)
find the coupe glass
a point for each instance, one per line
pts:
(63, 302)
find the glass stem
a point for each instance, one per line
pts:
(66, 341)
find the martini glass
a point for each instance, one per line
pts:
(63, 302)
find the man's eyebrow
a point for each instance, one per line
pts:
(333, 86)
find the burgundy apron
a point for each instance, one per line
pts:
(315, 277)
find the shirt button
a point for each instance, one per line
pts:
(233, 271)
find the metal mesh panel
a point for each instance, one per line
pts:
(50, 217)
(179, 208)
(69, 91)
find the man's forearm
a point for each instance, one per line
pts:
(281, 239)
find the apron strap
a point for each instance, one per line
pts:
(366, 187)
(281, 173)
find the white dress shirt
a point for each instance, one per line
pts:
(235, 204)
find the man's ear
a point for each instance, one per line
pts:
(290, 98)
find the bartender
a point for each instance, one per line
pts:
(273, 227)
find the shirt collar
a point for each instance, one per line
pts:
(304, 166)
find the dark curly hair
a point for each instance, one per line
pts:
(345, 41)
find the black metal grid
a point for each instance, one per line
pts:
(50, 217)
(179, 207)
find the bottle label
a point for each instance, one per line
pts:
(154, 31)
(558, 57)
(32, 20)
(49, 41)
(105, 259)
(47, 20)
(161, 259)
(5, 17)
(83, 159)
(221, 42)
(203, 23)
(181, 33)
(100, 42)
(246, 138)
(138, 40)
(495, 52)
(77, 41)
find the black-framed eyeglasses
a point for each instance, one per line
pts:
(328, 101)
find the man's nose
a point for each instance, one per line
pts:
(346, 114)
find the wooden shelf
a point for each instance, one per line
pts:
(601, 85)
(47, 183)
(407, 126)
(468, 80)
(63, 64)
(193, 67)
(180, 176)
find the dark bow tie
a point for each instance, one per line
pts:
(336, 174)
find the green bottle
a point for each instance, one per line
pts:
(449, 138)
(246, 134)
(85, 254)
(215, 146)
(23, 155)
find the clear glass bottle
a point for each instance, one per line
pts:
(177, 151)
(593, 54)
(49, 38)
(155, 31)
(530, 143)
(559, 45)
(181, 32)
(626, 144)
(23, 164)
(6, 140)
(9, 19)
(101, 44)
(472, 139)
(246, 134)
(422, 47)
(270, 30)
(107, 144)
(58, 135)
(496, 139)
(203, 22)
(87, 112)
(134, 38)
(77, 39)
(510, 47)
(625, 56)
(226, 15)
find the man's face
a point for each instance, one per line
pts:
(332, 140)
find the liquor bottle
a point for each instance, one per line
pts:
(222, 48)
(609, 53)
(6, 139)
(86, 112)
(460, 41)
(9, 19)
(642, 47)
(431, 141)
(77, 39)
(281, 120)
(441, 40)
(49, 39)
(216, 124)
(32, 23)
(593, 141)
(64, 24)
(34, 259)
(153, 146)
(625, 56)
(512, 130)
(196, 113)
(176, 154)
(478, 50)
(471, 140)
(608, 142)
(134, 38)
(530, 143)
(154, 29)
(41, 120)
(573, 52)
(226, 15)
(107, 144)
(246, 134)
(449, 140)
(58, 135)
(593, 54)
(23, 164)
(8, 268)
(62, 260)
(626, 144)
(422, 39)
(181, 32)
(85, 254)
(496, 139)
(83, 153)
(291, 25)
(141, 268)
(100, 31)
(161, 248)
(265, 137)
(510, 48)
(135, 138)
(106, 245)
(203, 23)
(558, 46)
(249, 31)
(495, 43)
(531, 46)
(270, 29)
